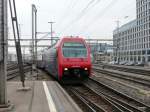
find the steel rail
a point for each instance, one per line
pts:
(117, 96)
(90, 108)
(139, 80)
(120, 106)
(14, 66)
(126, 69)
(103, 107)
(15, 73)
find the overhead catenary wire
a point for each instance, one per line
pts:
(84, 11)
(102, 13)
(91, 4)
(97, 17)
(64, 14)
(67, 12)
(81, 13)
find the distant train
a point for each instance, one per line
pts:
(69, 58)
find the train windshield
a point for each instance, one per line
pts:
(74, 50)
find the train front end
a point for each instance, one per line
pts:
(75, 59)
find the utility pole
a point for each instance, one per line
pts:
(32, 34)
(118, 50)
(3, 53)
(118, 42)
(24, 54)
(23, 60)
(34, 11)
(51, 32)
(34, 38)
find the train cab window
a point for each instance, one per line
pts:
(74, 50)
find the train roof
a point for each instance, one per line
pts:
(69, 38)
(74, 38)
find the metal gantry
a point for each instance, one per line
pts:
(17, 39)
(56, 39)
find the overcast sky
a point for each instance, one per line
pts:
(87, 18)
(94, 18)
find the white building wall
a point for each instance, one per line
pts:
(132, 40)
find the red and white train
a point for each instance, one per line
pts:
(69, 58)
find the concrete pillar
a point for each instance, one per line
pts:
(3, 51)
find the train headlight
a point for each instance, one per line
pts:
(65, 69)
(85, 68)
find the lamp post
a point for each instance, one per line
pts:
(119, 40)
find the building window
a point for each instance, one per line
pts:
(139, 58)
(131, 58)
(148, 58)
(148, 52)
(143, 52)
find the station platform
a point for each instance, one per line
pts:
(44, 96)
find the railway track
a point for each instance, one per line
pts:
(121, 100)
(11, 66)
(97, 97)
(13, 71)
(140, 79)
(129, 69)
(93, 101)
